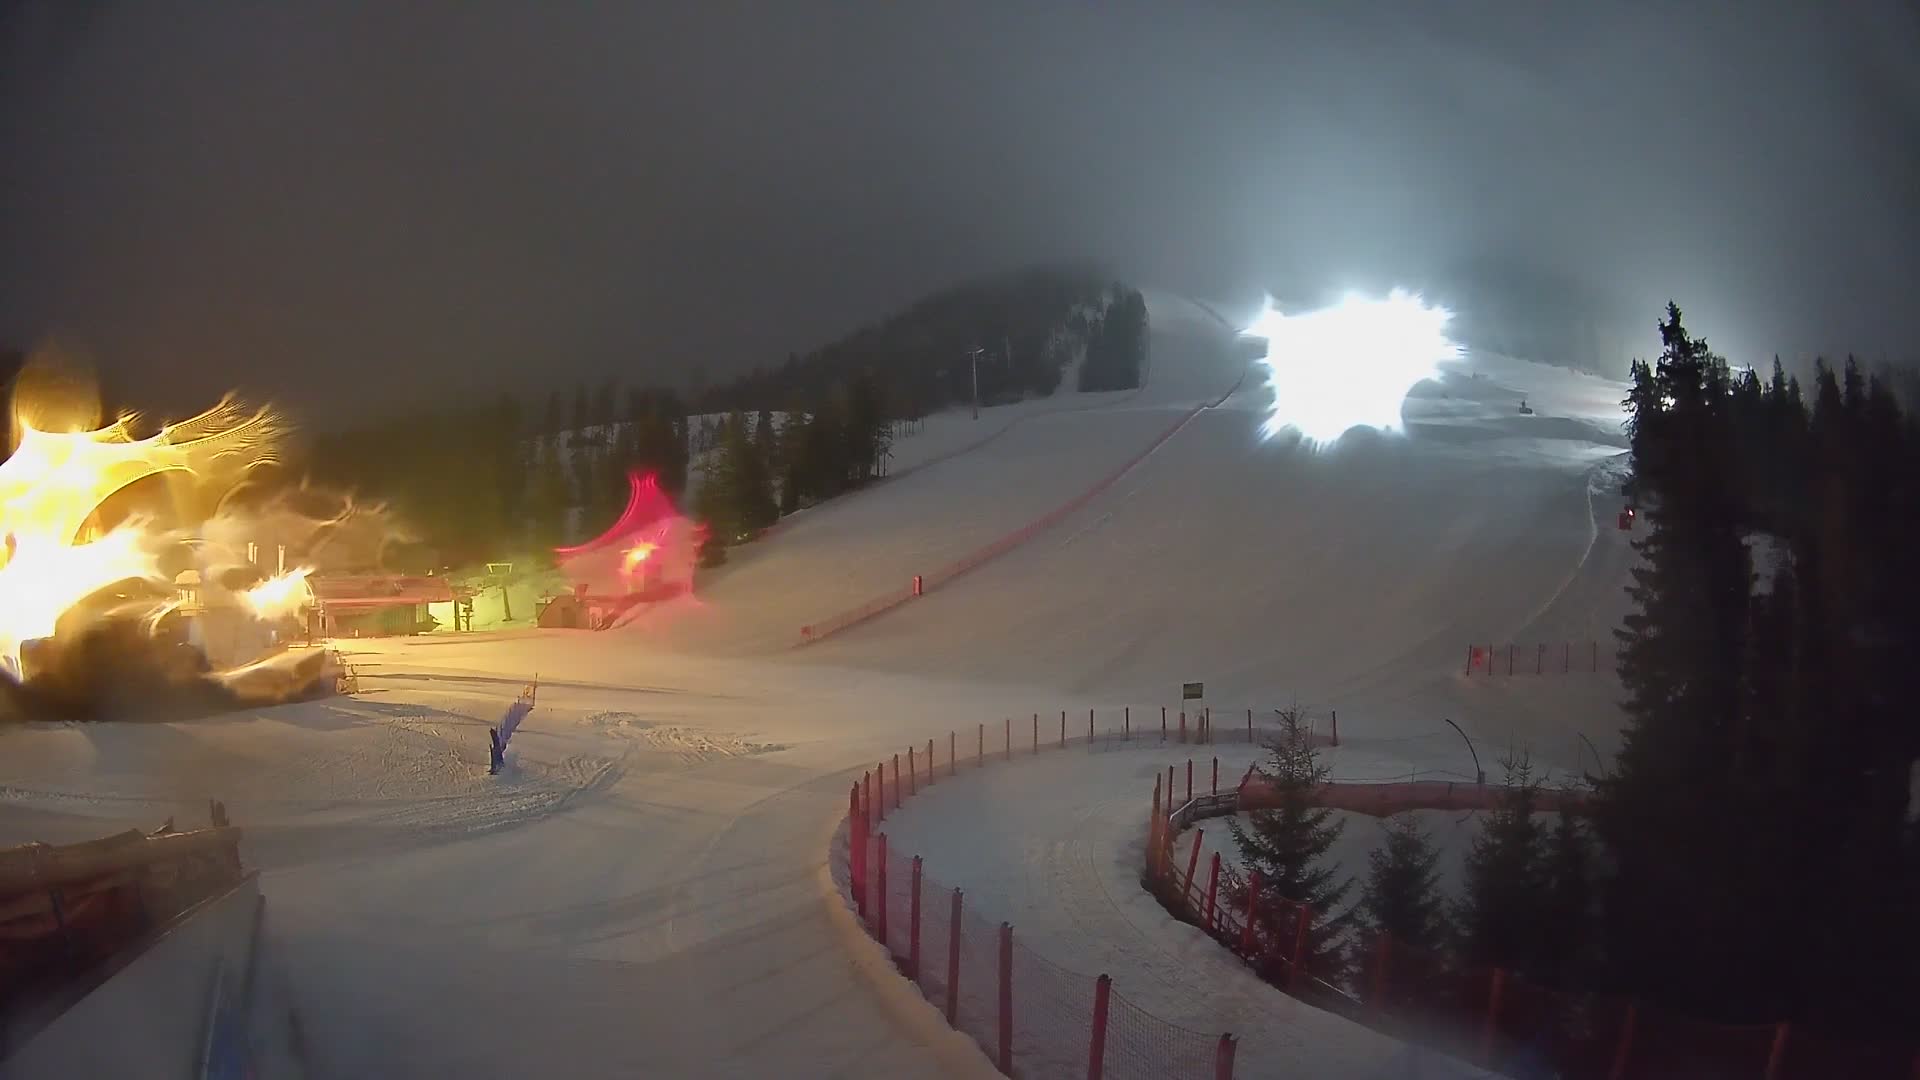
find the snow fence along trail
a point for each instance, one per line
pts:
(1049, 892)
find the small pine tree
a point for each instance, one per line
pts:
(1566, 905)
(1499, 914)
(1288, 844)
(1401, 896)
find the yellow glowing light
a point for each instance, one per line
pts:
(640, 553)
(55, 481)
(280, 597)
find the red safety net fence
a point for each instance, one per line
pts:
(1515, 659)
(941, 575)
(1490, 1016)
(1032, 1017)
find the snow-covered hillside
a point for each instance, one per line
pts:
(642, 892)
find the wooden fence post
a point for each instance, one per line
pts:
(1036, 733)
(1183, 725)
(929, 762)
(980, 749)
(1163, 723)
(953, 755)
(1126, 724)
(857, 852)
(1089, 726)
(1216, 775)
(913, 774)
(1189, 779)
(896, 781)
(1008, 720)
(1097, 1049)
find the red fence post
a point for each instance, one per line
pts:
(857, 852)
(1006, 1000)
(913, 774)
(953, 755)
(1008, 720)
(1189, 779)
(1777, 1054)
(1253, 906)
(1097, 1049)
(980, 750)
(1183, 725)
(1126, 724)
(1334, 714)
(880, 893)
(896, 781)
(1036, 733)
(1169, 789)
(1193, 864)
(1494, 994)
(1213, 887)
(875, 811)
(1223, 1057)
(1249, 727)
(1154, 825)
(929, 762)
(1089, 726)
(1624, 1048)
(953, 960)
(1300, 946)
(913, 924)
(1216, 774)
(1163, 723)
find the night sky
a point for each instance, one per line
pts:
(377, 204)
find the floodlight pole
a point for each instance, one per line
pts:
(1480, 774)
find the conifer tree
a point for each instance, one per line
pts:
(1566, 901)
(1288, 844)
(1498, 913)
(1401, 895)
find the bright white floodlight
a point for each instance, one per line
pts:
(1349, 365)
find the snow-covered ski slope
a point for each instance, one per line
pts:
(642, 893)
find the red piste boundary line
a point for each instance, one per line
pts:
(924, 583)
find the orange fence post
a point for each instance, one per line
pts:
(1193, 864)
(1300, 946)
(1213, 887)
(880, 893)
(1624, 1048)
(1494, 994)
(1097, 1050)
(953, 960)
(1777, 1054)
(1223, 1057)
(913, 924)
(1253, 906)
(1006, 1000)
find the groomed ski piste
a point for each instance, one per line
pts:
(645, 888)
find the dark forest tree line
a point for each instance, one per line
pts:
(1755, 853)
